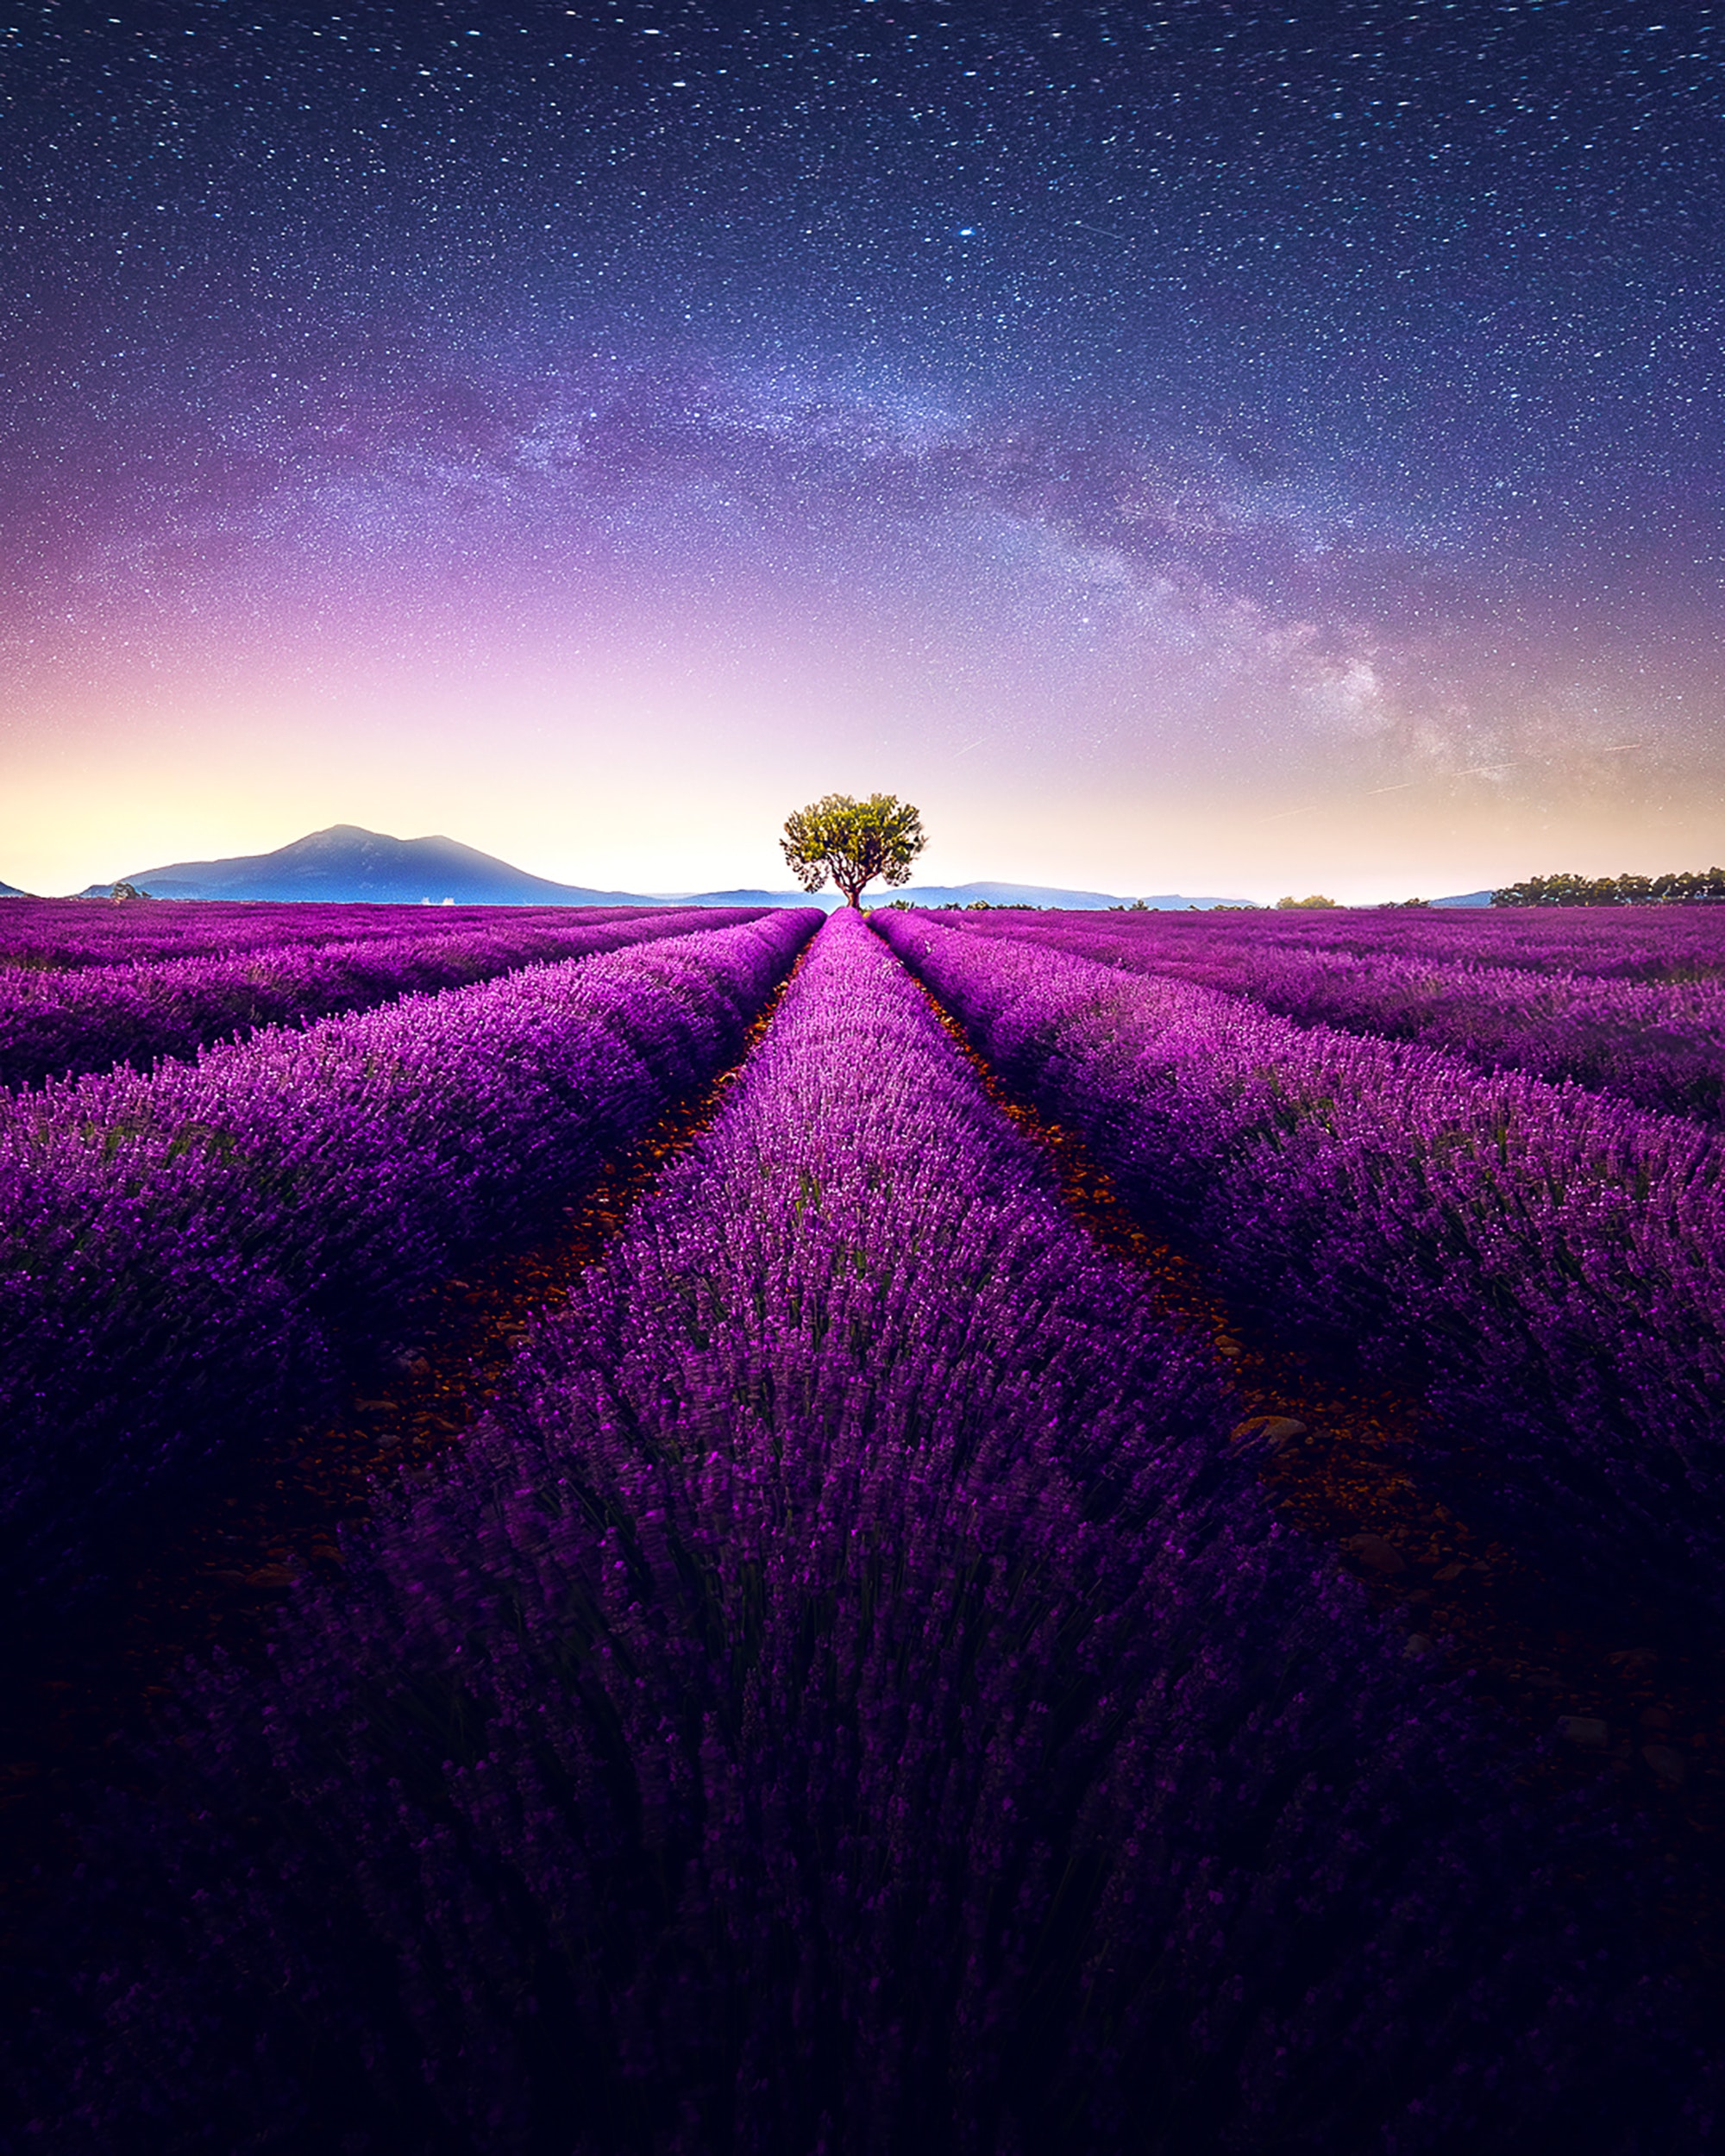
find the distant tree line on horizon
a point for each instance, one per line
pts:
(1625, 890)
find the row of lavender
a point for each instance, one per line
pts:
(849, 1700)
(1678, 942)
(61, 933)
(1660, 1044)
(1547, 1264)
(188, 1254)
(63, 1021)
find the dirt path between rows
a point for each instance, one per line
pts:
(1646, 1705)
(1639, 1708)
(215, 1562)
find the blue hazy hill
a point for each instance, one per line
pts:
(1039, 894)
(345, 865)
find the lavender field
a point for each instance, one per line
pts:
(74, 999)
(1106, 1536)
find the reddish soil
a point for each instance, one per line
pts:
(214, 1565)
(1536, 1654)
(219, 1563)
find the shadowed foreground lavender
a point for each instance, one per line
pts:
(848, 1699)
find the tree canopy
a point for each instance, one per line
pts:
(852, 841)
(1568, 889)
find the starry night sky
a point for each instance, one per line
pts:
(1205, 448)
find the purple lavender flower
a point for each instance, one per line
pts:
(1547, 1264)
(848, 1698)
(187, 1254)
(1555, 1003)
(58, 1021)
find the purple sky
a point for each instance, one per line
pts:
(1197, 449)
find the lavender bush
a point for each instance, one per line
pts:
(68, 933)
(1547, 1264)
(1676, 943)
(184, 1254)
(1658, 1043)
(61, 1022)
(847, 1701)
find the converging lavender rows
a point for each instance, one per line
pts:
(60, 1022)
(1660, 1043)
(190, 1256)
(850, 1698)
(67, 934)
(1546, 1265)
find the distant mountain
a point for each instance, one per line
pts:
(345, 865)
(745, 898)
(1043, 894)
(955, 895)
(1468, 898)
(11, 891)
(1074, 902)
(1003, 894)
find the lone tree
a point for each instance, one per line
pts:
(853, 842)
